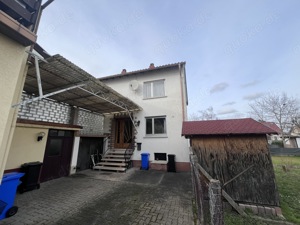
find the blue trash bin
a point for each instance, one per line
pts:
(145, 161)
(8, 189)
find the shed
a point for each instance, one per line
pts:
(236, 152)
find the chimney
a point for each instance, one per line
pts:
(151, 66)
(123, 71)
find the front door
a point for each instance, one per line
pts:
(58, 154)
(123, 134)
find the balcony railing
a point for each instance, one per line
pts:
(23, 11)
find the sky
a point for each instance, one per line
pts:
(235, 51)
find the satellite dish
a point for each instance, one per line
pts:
(134, 85)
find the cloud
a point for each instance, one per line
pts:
(249, 84)
(219, 87)
(226, 111)
(253, 96)
(229, 103)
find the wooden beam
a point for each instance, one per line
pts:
(18, 9)
(233, 203)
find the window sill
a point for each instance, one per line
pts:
(154, 97)
(159, 162)
(156, 136)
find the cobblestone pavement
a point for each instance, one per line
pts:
(102, 198)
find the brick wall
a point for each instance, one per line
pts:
(48, 110)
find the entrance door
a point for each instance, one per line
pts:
(58, 154)
(123, 135)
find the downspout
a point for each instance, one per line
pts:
(182, 95)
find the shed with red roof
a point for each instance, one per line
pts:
(227, 148)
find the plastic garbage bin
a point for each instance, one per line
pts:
(8, 189)
(30, 180)
(145, 161)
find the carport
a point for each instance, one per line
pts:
(58, 80)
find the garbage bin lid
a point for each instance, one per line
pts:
(145, 153)
(12, 176)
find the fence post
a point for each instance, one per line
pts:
(215, 202)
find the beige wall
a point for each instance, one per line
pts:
(25, 147)
(13, 70)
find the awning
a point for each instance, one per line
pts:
(65, 82)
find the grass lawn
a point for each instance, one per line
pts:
(287, 172)
(288, 184)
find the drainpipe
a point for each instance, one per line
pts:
(182, 95)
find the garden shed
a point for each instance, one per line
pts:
(236, 153)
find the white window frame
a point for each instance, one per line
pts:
(153, 130)
(151, 89)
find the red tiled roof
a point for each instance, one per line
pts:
(141, 71)
(272, 126)
(220, 127)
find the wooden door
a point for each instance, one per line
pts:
(123, 134)
(58, 154)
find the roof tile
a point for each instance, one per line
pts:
(221, 127)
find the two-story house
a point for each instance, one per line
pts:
(161, 92)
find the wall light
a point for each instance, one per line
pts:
(137, 123)
(40, 136)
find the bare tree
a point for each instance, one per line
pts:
(278, 108)
(207, 114)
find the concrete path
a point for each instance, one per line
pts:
(102, 198)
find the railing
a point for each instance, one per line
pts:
(24, 11)
(128, 155)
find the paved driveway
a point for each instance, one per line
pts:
(100, 198)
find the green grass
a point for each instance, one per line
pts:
(287, 172)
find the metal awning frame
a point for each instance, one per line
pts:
(83, 85)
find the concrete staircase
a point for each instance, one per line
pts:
(115, 160)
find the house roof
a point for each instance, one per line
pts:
(272, 126)
(151, 68)
(222, 127)
(80, 88)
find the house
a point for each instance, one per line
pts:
(236, 153)
(18, 25)
(161, 92)
(60, 119)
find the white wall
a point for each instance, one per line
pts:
(169, 106)
(25, 147)
(13, 69)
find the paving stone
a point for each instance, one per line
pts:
(119, 199)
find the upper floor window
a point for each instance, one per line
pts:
(154, 89)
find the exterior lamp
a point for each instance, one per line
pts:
(40, 136)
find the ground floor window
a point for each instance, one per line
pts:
(160, 156)
(156, 125)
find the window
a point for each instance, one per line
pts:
(154, 89)
(160, 156)
(156, 125)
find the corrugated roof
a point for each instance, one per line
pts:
(142, 71)
(59, 73)
(272, 126)
(222, 127)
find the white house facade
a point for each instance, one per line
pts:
(161, 92)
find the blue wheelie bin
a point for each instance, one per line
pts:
(145, 161)
(8, 189)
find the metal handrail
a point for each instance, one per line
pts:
(128, 159)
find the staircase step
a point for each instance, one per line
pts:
(113, 160)
(116, 156)
(119, 152)
(109, 168)
(110, 164)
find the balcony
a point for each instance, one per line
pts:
(19, 18)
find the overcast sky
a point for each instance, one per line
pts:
(235, 51)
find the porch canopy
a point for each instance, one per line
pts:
(61, 80)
